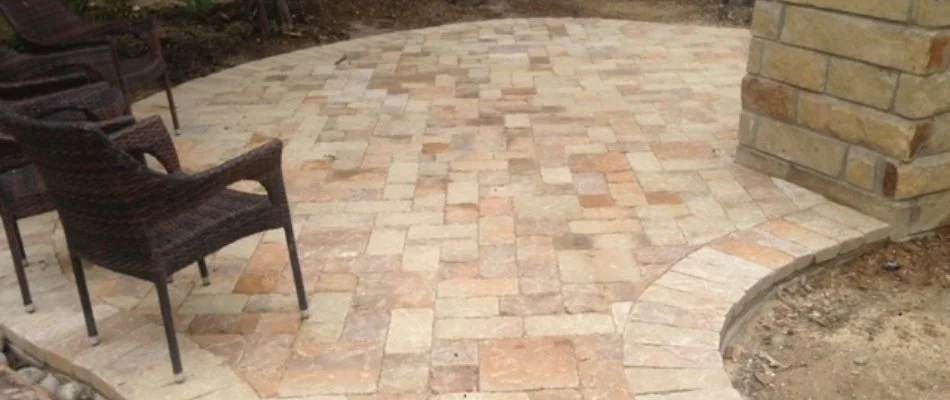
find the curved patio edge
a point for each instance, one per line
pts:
(672, 341)
(56, 336)
(679, 326)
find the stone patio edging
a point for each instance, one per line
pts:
(726, 278)
(678, 357)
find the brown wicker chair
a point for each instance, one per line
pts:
(46, 25)
(25, 75)
(132, 220)
(22, 193)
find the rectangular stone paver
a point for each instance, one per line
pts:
(525, 364)
(478, 328)
(410, 331)
(603, 265)
(333, 368)
(466, 307)
(563, 325)
(657, 380)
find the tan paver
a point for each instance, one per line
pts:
(514, 209)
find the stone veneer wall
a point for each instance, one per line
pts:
(850, 98)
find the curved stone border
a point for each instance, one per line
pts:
(57, 338)
(678, 326)
(672, 341)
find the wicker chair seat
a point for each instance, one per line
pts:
(216, 222)
(134, 221)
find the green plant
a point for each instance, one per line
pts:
(199, 6)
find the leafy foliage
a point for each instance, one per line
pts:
(199, 7)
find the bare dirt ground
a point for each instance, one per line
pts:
(857, 330)
(197, 44)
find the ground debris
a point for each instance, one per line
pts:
(853, 330)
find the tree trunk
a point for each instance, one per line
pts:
(263, 23)
(283, 16)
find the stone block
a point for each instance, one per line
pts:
(754, 159)
(939, 141)
(756, 48)
(766, 19)
(801, 146)
(861, 83)
(923, 96)
(795, 66)
(769, 98)
(840, 192)
(896, 10)
(747, 128)
(925, 175)
(856, 124)
(930, 212)
(932, 13)
(907, 49)
(861, 167)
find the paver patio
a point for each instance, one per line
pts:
(524, 209)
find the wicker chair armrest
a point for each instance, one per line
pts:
(115, 124)
(147, 136)
(183, 192)
(13, 91)
(96, 62)
(259, 165)
(51, 113)
(95, 102)
(11, 157)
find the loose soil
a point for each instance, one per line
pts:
(197, 44)
(854, 330)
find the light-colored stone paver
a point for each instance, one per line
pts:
(514, 209)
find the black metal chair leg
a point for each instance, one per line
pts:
(15, 243)
(171, 101)
(203, 269)
(165, 303)
(295, 267)
(84, 299)
(21, 248)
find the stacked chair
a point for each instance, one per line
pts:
(69, 143)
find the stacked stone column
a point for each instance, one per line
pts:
(851, 99)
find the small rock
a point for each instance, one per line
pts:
(32, 374)
(50, 383)
(772, 363)
(778, 341)
(764, 379)
(26, 358)
(861, 361)
(728, 352)
(892, 265)
(73, 391)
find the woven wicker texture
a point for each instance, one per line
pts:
(128, 218)
(48, 25)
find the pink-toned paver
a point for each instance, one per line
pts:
(513, 209)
